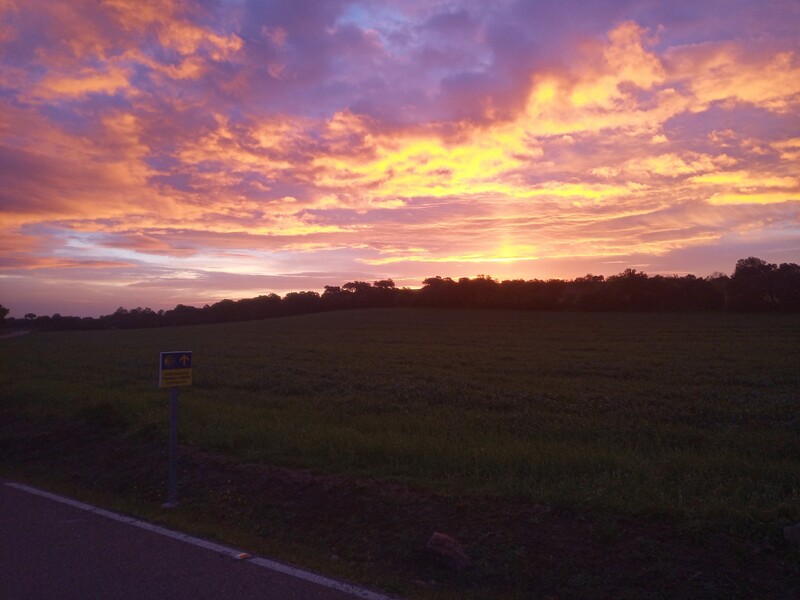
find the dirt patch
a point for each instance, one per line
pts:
(377, 531)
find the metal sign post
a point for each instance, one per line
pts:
(172, 486)
(174, 370)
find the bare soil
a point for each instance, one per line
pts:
(376, 531)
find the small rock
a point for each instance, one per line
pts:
(792, 533)
(448, 552)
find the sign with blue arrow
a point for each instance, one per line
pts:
(175, 369)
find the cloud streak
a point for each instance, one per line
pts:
(270, 140)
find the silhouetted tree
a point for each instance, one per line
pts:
(183, 315)
(513, 294)
(335, 298)
(356, 287)
(383, 293)
(362, 293)
(752, 285)
(260, 307)
(438, 291)
(3, 312)
(296, 303)
(786, 288)
(480, 292)
(626, 291)
(585, 292)
(222, 311)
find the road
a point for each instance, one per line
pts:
(54, 547)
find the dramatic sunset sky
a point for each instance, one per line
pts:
(157, 152)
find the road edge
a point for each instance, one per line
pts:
(236, 554)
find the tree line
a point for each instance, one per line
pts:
(754, 286)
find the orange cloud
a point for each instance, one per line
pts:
(32, 262)
(723, 72)
(743, 187)
(175, 30)
(674, 165)
(789, 149)
(86, 81)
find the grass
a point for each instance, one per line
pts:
(693, 417)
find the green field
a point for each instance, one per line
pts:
(692, 418)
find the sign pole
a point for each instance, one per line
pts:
(174, 370)
(172, 496)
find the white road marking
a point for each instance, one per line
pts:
(264, 563)
(318, 579)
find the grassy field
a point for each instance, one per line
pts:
(690, 418)
(679, 414)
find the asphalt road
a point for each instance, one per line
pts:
(55, 548)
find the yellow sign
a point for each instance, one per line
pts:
(175, 369)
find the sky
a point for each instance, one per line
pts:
(156, 152)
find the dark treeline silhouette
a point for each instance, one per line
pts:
(755, 286)
(3, 312)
